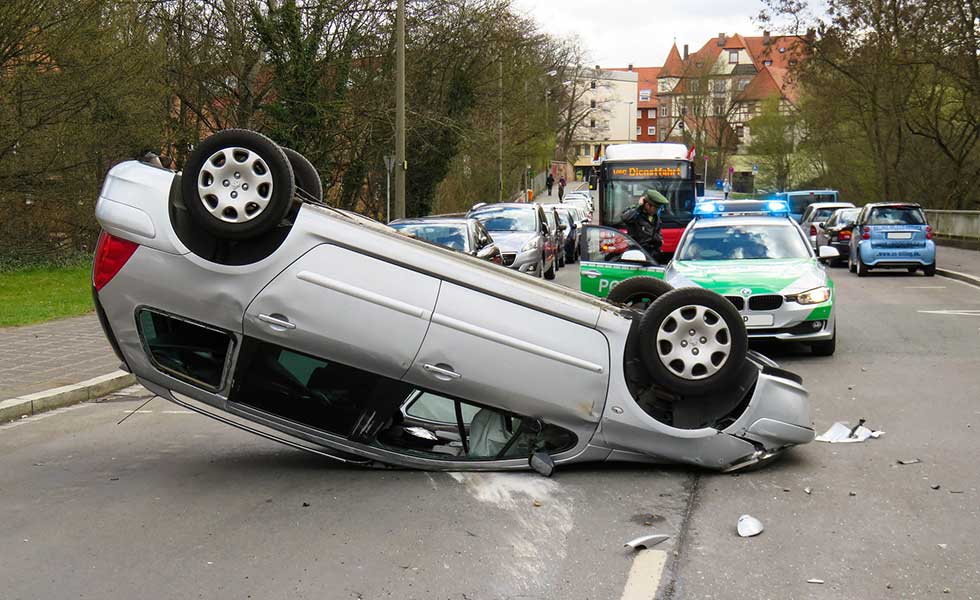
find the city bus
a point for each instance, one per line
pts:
(628, 170)
(798, 200)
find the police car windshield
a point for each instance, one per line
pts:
(507, 219)
(743, 242)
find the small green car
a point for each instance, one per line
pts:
(752, 252)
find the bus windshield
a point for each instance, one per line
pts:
(621, 194)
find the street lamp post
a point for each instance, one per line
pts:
(400, 161)
(389, 163)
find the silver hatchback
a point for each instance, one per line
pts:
(334, 334)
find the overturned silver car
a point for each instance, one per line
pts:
(231, 289)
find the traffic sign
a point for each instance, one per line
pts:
(755, 168)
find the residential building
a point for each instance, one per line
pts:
(646, 102)
(610, 97)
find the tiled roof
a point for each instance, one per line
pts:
(673, 66)
(762, 86)
(760, 51)
(646, 80)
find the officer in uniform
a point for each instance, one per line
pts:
(643, 221)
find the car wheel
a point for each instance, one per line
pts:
(929, 270)
(693, 341)
(639, 292)
(237, 184)
(850, 264)
(304, 174)
(824, 347)
(550, 273)
(862, 269)
(912, 269)
(560, 257)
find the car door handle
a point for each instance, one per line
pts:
(591, 273)
(441, 371)
(277, 321)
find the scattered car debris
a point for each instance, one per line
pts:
(306, 505)
(807, 491)
(909, 461)
(536, 503)
(646, 541)
(840, 433)
(943, 546)
(852, 493)
(749, 526)
(955, 491)
(935, 486)
(819, 581)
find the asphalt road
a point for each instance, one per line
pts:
(172, 505)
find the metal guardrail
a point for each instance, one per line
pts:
(957, 224)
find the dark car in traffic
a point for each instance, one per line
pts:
(836, 232)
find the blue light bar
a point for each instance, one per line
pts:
(768, 208)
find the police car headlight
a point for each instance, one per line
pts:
(532, 244)
(814, 296)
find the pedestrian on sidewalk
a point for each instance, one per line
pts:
(727, 187)
(549, 182)
(561, 187)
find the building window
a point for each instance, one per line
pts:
(792, 62)
(663, 111)
(695, 85)
(651, 130)
(651, 113)
(719, 85)
(767, 62)
(639, 131)
(742, 84)
(591, 103)
(592, 123)
(663, 133)
(644, 95)
(740, 131)
(733, 57)
(719, 106)
(593, 84)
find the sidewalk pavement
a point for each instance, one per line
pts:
(958, 260)
(34, 358)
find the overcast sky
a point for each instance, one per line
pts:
(619, 32)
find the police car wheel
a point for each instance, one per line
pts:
(693, 341)
(237, 184)
(824, 347)
(639, 292)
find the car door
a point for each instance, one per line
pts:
(496, 352)
(601, 265)
(348, 307)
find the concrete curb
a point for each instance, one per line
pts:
(968, 279)
(67, 395)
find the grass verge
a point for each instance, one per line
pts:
(41, 294)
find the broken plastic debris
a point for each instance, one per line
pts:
(840, 433)
(814, 581)
(943, 546)
(646, 541)
(536, 502)
(909, 461)
(807, 490)
(935, 486)
(852, 493)
(749, 526)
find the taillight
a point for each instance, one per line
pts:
(813, 230)
(844, 235)
(111, 253)
(625, 231)
(928, 232)
(867, 234)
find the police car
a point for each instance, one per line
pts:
(750, 251)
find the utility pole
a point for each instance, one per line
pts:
(401, 165)
(389, 164)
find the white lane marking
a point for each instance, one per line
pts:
(142, 412)
(925, 287)
(177, 412)
(645, 574)
(966, 312)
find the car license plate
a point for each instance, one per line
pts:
(899, 235)
(758, 320)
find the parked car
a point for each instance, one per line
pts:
(891, 235)
(556, 229)
(457, 233)
(569, 217)
(521, 232)
(581, 200)
(815, 214)
(836, 232)
(233, 290)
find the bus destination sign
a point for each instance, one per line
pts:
(648, 171)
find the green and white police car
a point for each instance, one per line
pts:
(750, 251)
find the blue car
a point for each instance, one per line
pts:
(892, 235)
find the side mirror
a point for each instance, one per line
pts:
(562, 227)
(542, 463)
(634, 256)
(486, 251)
(828, 252)
(823, 225)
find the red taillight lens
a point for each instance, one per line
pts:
(867, 234)
(813, 230)
(928, 232)
(844, 235)
(622, 230)
(111, 254)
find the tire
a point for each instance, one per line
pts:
(862, 269)
(824, 347)
(639, 292)
(929, 270)
(304, 174)
(665, 326)
(560, 257)
(850, 264)
(550, 273)
(263, 193)
(912, 269)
